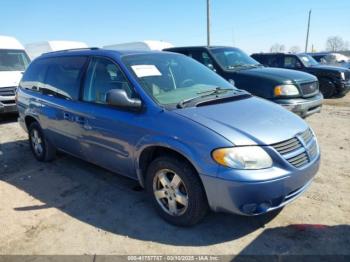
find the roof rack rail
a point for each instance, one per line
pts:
(73, 49)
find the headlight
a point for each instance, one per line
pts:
(286, 90)
(342, 75)
(246, 157)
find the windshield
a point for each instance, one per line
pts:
(13, 60)
(308, 60)
(230, 58)
(172, 78)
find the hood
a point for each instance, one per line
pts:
(335, 69)
(278, 74)
(252, 121)
(10, 78)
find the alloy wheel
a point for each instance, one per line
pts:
(170, 192)
(37, 142)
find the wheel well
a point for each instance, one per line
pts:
(151, 153)
(29, 120)
(326, 78)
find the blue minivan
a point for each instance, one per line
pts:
(193, 140)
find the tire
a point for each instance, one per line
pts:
(41, 148)
(327, 88)
(189, 191)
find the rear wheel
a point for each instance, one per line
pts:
(327, 88)
(176, 191)
(40, 146)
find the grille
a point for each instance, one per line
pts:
(347, 76)
(7, 91)
(313, 151)
(288, 146)
(306, 136)
(309, 89)
(299, 150)
(8, 102)
(299, 160)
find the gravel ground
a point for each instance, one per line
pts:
(72, 207)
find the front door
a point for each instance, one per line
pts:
(112, 133)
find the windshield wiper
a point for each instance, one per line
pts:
(216, 91)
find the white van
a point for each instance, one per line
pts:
(13, 62)
(38, 48)
(141, 46)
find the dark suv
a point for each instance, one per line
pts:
(333, 80)
(295, 91)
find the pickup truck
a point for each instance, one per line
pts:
(295, 91)
(334, 81)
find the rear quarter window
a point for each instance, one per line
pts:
(34, 76)
(63, 76)
(59, 76)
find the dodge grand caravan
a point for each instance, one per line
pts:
(187, 135)
(295, 91)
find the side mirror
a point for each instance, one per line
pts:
(211, 67)
(119, 98)
(298, 65)
(232, 82)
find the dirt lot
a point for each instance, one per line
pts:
(72, 207)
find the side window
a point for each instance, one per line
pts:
(202, 57)
(193, 54)
(104, 75)
(206, 60)
(291, 62)
(273, 61)
(34, 76)
(63, 76)
(261, 59)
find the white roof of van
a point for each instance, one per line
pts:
(36, 49)
(141, 45)
(8, 42)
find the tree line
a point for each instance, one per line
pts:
(333, 44)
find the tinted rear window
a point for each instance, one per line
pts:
(34, 76)
(59, 76)
(63, 76)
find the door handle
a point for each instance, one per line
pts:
(82, 121)
(66, 116)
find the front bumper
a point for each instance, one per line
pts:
(258, 197)
(302, 106)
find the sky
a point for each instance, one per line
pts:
(252, 25)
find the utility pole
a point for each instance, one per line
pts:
(208, 22)
(308, 32)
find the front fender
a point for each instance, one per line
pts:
(200, 157)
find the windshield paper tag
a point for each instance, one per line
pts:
(146, 70)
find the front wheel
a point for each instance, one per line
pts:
(327, 88)
(176, 191)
